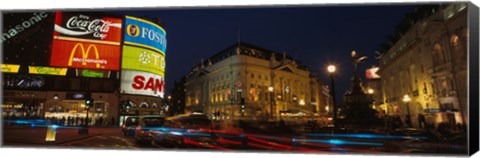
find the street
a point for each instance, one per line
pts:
(317, 141)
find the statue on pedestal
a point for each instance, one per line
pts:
(358, 110)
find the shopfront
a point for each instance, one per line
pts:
(22, 104)
(133, 105)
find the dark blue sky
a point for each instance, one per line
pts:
(315, 35)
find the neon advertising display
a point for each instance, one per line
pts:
(92, 73)
(143, 33)
(142, 59)
(10, 68)
(42, 70)
(142, 83)
(86, 41)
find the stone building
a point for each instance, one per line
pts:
(428, 63)
(249, 82)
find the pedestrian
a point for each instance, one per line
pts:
(113, 121)
(80, 121)
(70, 122)
(75, 121)
(54, 120)
(62, 121)
(100, 121)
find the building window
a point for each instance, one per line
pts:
(455, 40)
(252, 75)
(439, 57)
(459, 53)
(425, 90)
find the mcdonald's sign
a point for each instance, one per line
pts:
(85, 55)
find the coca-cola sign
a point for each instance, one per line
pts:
(87, 26)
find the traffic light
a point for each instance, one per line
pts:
(89, 102)
(242, 106)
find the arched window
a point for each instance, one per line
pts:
(459, 53)
(143, 105)
(438, 53)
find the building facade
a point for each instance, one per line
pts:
(428, 64)
(246, 81)
(35, 87)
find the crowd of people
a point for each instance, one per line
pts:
(78, 121)
(65, 121)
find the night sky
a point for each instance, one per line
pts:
(315, 35)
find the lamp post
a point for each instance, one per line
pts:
(270, 89)
(370, 92)
(55, 98)
(170, 105)
(331, 71)
(88, 103)
(407, 99)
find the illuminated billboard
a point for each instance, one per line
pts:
(87, 26)
(85, 55)
(10, 68)
(92, 73)
(142, 83)
(87, 41)
(372, 73)
(42, 70)
(142, 59)
(143, 33)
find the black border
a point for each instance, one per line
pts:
(473, 19)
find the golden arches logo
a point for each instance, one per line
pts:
(133, 30)
(84, 54)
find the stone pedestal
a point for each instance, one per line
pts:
(358, 109)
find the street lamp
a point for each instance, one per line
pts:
(88, 103)
(55, 98)
(331, 71)
(370, 91)
(270, 89)
(407, 99)
(170, 104)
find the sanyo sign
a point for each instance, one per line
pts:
(142, 83)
